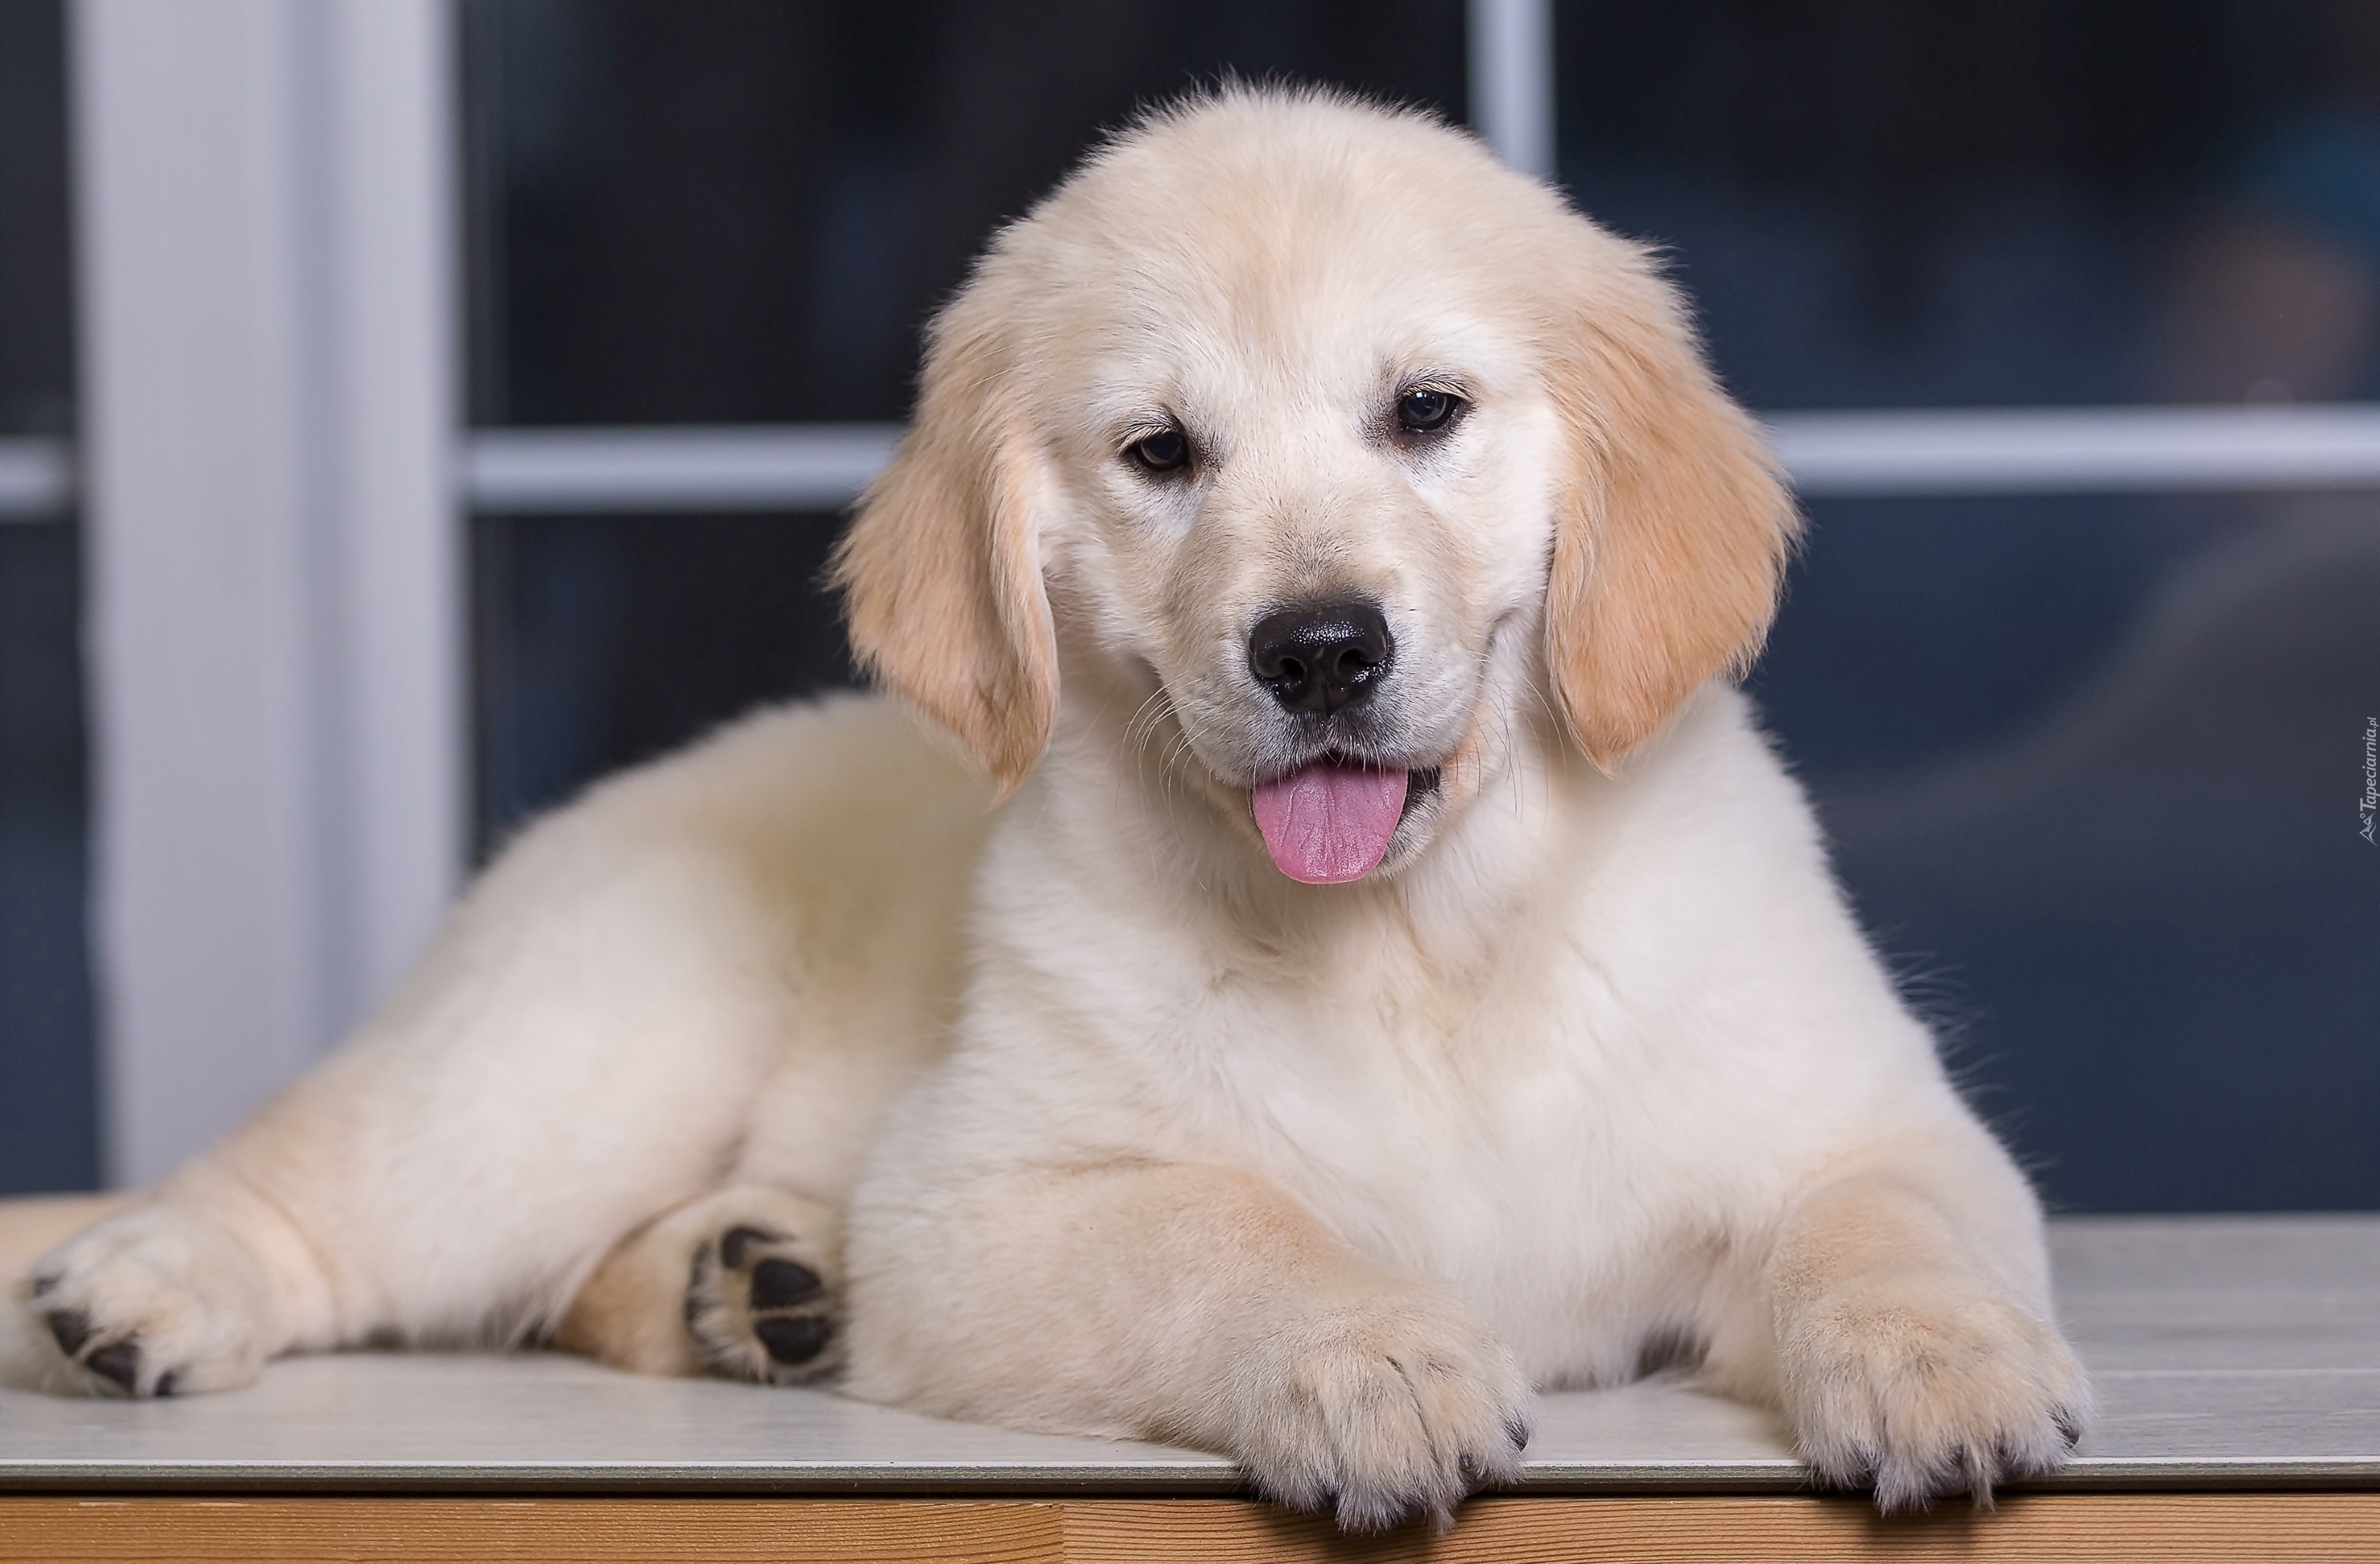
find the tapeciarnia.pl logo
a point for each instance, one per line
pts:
(2369, 804)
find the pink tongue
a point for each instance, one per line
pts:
(1325, 823)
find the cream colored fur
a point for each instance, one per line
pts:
(1083, 1116)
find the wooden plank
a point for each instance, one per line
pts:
(2103, 1528)
(564, 1531)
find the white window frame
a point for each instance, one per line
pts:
(264, 215)
(273, 478)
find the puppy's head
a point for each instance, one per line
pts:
(1323, 453)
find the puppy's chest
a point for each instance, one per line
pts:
(1476, 1138)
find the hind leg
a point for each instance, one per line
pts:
(369, 1204)
(593, 1040)
(744, 1282)
(454, 1173)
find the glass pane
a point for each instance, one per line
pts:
(1878, 205)
(48, 1084)
(2091, 769)
(36, 325)
(606, 640)
(48, 1113)
(743, 210)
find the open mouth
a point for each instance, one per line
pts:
(1332, 819)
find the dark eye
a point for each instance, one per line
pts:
(1165, 451)
(1421, 411)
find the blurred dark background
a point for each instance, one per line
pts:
(2089, 761)
(49, 1089)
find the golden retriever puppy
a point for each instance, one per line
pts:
(1397, 975)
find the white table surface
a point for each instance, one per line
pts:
(2225, 1352)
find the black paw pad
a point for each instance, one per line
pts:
(735, 1244)
(72, 1327)
(794, 1338)
(119, 1361)
(755, 1311)
(2069, 1429)
(1517, 1431)
(779, 1284)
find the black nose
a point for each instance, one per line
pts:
(1322, 657)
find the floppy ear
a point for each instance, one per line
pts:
(941, 570)
(1673, 528)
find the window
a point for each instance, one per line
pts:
(2067, 319)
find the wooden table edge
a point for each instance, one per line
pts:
(2107, 1528)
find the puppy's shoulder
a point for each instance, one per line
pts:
(1705, 858)
(1715, 780)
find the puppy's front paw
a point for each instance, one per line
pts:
(762, 1293)
(1927, 1382)
(1389, 1407)
(154, 1302)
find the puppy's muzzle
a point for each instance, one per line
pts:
(1323, 658)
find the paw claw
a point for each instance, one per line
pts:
(119, 1361)
(794, 1338)
(1927, 1386)
(155, 1296)
(1977, 1472)
(779, 1284)
(737, 1241)
(71, 1328)
(1392, 1406)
